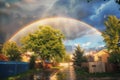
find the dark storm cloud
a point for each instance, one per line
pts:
(70, 8)
(102, 12)
(15, 14)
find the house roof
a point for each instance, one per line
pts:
(102, 52)
(3, 57)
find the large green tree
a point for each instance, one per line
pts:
(11, 50)
(112, 37)
(46, 41)
(78, 56)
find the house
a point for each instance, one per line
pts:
(97, 61)
(101, 56)
(3, 58)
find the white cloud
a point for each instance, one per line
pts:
(100, 46)
(86, 44)
(76, 44)
(31, 5)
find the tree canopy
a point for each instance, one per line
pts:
(112, 37)
(11, 50)
(112, 33)
(47, 42)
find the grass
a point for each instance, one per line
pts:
(27, 73)
(83, 73)
(57, 67)
(105, 74)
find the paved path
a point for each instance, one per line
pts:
(71, 73)
(67, 73)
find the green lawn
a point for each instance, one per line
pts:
(84, 73)
(29, 72)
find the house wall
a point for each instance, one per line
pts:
(101, 56)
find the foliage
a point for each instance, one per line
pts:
(61, 76)
(82, 74)
(47, 42)
(22, 76)
(111, 37)
(1, 48)
(67, 58)
(78, 57)
(11, 50)
(114, 58)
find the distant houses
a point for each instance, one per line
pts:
(98, 62)
(102, 56)
(97, 56)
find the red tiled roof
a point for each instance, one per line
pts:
(3, 57)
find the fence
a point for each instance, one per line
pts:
(12, 68)
(111, 67)
(99, 67)
(96, 67)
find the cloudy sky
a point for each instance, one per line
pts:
(14, 14)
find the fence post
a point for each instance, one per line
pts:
(15, 68)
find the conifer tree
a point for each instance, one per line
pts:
(78, 56)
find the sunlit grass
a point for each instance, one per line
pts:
(81, 72)
(29, 72)
(57, 67)
(21, 75)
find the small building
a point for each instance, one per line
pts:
(101, 56)
(90, 58)
(3, 58)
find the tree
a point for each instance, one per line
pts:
(1, 47)
(111, 37)
(11, 50)
(32, 62)
(114, 58)
(67, 58)
(47, 42)
(78, 56)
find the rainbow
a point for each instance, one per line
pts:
(70, 27)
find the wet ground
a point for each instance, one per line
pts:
(66, 73)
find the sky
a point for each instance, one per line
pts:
(14, 14)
